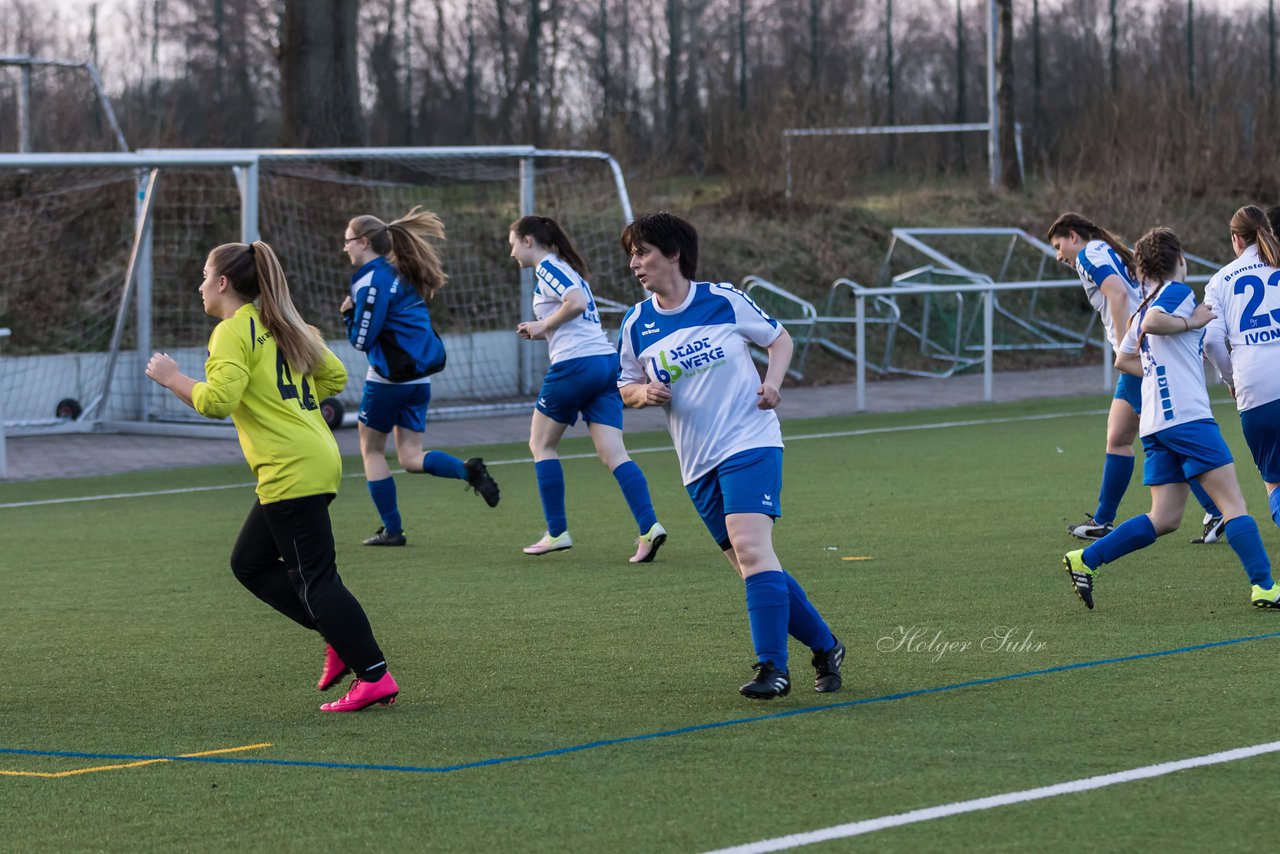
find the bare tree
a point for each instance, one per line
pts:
(386, 120)
(742, 56)
(318, 73)
(1010, 175)
(533, 66)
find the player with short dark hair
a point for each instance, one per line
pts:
(266, 370)
(686, 349)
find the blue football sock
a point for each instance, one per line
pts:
(768, 604)
(1117, 471)
(636, 490)
(1274, 500)
(1203, 497)
(1131, 535)
(551, 491)
(383, 493)
(805, 624)
(1244, 539)
(441, 464)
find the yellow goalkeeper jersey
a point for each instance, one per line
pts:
(287, 444)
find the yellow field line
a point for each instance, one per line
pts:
(51, 775)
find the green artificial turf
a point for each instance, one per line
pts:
(126, 634)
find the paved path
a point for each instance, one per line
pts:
(81, 455)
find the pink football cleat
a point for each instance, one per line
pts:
(334, 669)
(648, 543)
(364, 694)
(549, 544)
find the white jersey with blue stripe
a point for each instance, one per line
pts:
(700, 350)
(1096, 261)
(1173, 389)
(1245, 298)
(582, 336)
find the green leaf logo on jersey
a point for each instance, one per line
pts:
(685, 359)
(672, 372)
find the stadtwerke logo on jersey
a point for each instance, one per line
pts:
(686, 360)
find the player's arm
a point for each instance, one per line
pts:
(1218, 352)
(1160, 322)
(1129, 363)
(780, 352)
(226, 371)
(633, 383)
(640, 395)
(637, 390)
(331, 377)
(366, 315)
(164, 370)
(1127, 359)
(573, 305)
(1117, 294)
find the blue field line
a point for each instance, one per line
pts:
(609, 742)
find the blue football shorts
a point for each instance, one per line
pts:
(1261, 427)
(388, 405)
(1184, 451)
(588, 385)
(747, 482)
(1129, 389)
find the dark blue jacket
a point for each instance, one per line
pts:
(390, 323)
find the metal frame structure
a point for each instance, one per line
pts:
(4, 459)
(957, 354)
(246, 164)
(1051, 335)
(25, 64)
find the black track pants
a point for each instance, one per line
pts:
(285, 556)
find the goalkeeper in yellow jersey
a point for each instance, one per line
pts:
(267, 370)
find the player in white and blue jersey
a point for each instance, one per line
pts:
(686, 349)
(397, 271)
(1106, 270)
(582, 381)
(1181, 440)
(1243, 340)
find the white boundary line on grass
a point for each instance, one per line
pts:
(858, 828)
(869, 431)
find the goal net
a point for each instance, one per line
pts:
(81, 333)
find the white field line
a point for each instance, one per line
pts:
(869, 431)
(858, 828)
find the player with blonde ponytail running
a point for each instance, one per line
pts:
(267, 370)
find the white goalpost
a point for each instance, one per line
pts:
(790, 134)
(106, 251)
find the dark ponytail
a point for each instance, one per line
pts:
(1069, 222)
(547, 232)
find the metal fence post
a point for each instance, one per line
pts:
(860, 347)
(528, 175)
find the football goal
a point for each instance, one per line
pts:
(105, 254)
